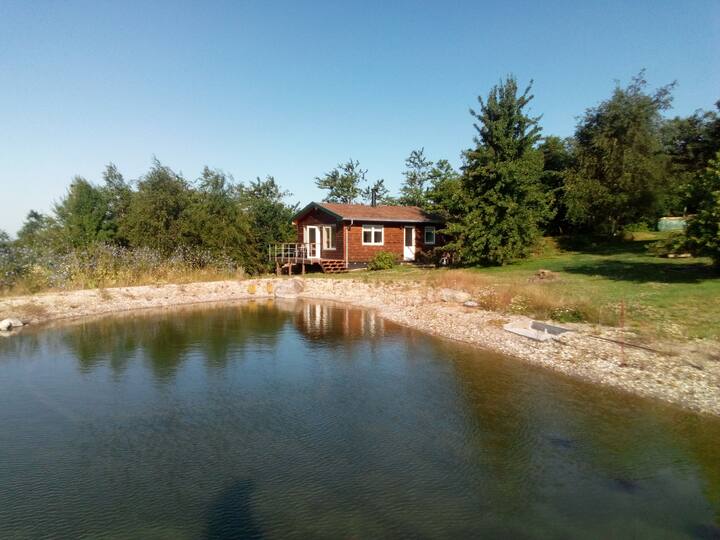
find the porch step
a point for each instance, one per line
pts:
(331, 266)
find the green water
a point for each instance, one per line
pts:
(304, 420)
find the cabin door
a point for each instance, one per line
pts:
(409, 249)
(312, 242)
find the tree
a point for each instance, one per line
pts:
(558, 160)
(213, 221)
(343, 182)
(38, 231)
(263, 201)
(413, 191)
(118, 194)
(382, 194)
(505, 202)
(621, 167)
(703, 231)
(83, 215)
(445, 196)
(156, 210)
(690, 144)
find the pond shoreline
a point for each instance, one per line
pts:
(687, 375)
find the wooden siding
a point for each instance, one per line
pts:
(319, 218)
(393, 237)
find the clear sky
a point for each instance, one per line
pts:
(293, 88)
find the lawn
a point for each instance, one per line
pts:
(662, 297)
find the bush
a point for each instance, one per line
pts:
(675, 243)
(383, 260)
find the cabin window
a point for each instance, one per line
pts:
(329, 237)
(429, 236)
(372, 235)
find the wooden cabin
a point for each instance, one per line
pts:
(342, 236)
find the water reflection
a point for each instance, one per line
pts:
(303, 419)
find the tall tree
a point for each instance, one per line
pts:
(263, 201)
(690, 143)
(621, 167)
(501, 180)
(703, 231)
(558, 160)
(382, 193)
(118, 194)
(213, 221)
(156, 210)
(343, 183)
(413, 191)
(83, 214)
(445, 196)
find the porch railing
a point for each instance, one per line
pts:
(293, 253)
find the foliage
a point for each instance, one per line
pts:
(343, 183)
(673, 243)
(154, 219)
(505, 202)
(382, 194)
(382, 260)
(703, 230)
(83, 215)
(558, 160)
(621, 168)
(418, 171)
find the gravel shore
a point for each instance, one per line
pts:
(686, 374)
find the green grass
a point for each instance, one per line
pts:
(663, 297)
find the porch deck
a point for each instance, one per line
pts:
(285, 256)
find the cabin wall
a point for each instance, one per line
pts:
(393, 240)
(316, 217)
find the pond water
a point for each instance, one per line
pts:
(308, 420)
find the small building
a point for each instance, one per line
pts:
(342, 236)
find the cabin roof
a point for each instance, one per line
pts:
(365, 212)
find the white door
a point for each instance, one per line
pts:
(409, 250)
(312, 241)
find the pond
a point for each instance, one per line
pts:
(309, 420)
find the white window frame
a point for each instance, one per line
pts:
(373, 229)
(428, 229)
(326, 236)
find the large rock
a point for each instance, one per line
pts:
(8, 324)
(452, 295)
(290, 288)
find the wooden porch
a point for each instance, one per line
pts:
(286, 256)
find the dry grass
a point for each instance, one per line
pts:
(30, 310)
(519, 296)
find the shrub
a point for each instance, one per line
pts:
(674, 243)
(383, 260)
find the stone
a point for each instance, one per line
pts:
(452, 295)
(471, 303)
(8, 324)
(290, 288)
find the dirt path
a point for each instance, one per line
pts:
(685, 374)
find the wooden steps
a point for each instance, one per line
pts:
(332, 266)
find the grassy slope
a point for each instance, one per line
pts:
(667, 297)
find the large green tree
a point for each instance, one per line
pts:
(505, 201)
(263, 201)
(413, 190)
(621, 171)
(83, 214)
(690, 143)
(558, 160)
(343, 183)
(157, 209)
(703, 231)
(213, 221)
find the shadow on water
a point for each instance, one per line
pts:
(231, 515)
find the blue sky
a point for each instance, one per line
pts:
(293, 88)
